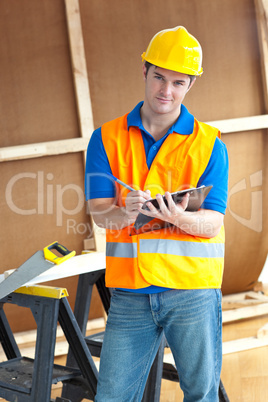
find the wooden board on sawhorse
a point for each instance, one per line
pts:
(29, 380)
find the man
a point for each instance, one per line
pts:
(166, 281)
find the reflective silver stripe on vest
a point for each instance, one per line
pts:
(182, 248)
(125, 250)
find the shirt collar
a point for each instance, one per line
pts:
(184, 125)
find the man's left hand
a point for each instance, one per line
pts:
(170, 213)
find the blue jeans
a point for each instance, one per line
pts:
(191, 321)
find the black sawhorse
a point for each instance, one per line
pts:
(159, 369)
(29, 380)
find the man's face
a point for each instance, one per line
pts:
(165, 90)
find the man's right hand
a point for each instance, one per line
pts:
(134, 202)
(110, 216)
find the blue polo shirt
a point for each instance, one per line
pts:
(99, 185)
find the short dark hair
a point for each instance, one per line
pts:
(148, 65)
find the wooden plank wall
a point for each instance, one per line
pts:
(41, 198)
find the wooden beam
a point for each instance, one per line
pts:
(228, 347)
(241, 124)
(237, 345)
(48, 148)
(242, 303)
(237, 297)
(240, 345)
(244, 312)
(82, 89)
(252, 342)
(243, 299)
(80, 144)
(256, 296)
(79, 66)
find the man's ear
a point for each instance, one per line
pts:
(192, 83)
(144, 72)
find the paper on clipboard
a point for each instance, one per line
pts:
(196, 199)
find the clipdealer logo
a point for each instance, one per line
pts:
(50, 200)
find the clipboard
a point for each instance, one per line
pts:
(196, 199)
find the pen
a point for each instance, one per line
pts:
(120, 182)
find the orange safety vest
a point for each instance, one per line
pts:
(164, 257)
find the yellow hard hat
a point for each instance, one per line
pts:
(175, 49)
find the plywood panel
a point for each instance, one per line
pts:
(37, 101)
(246, 220)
